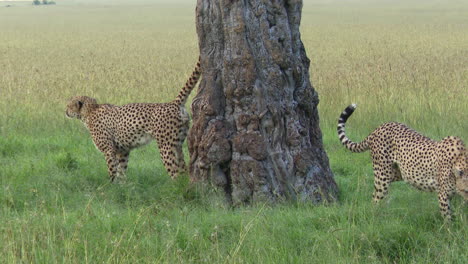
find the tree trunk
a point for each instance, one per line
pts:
(255, 129)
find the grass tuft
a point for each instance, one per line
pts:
(66, 161)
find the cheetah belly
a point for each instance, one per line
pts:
(141, 140)
(420, 177)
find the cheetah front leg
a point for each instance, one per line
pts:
(445, 192)
(444, 205)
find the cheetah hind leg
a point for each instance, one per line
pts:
(178, 148)
(122, 158)
(169, 158)
(180, 158)
(383, 176)
(112, 166)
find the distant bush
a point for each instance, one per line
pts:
(44, 2)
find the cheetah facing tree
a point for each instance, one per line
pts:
(116, 130)
(400, 153)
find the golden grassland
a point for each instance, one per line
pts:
(399, 62)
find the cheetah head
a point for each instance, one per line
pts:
(460, 170)
(79, 106)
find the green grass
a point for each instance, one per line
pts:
(399, 60)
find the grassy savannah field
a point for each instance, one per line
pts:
(398, 60)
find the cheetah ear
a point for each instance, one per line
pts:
(80, 104)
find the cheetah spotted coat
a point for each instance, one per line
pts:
(400, 153)
(116, 130)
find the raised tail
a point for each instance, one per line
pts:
(354, 147)
(191, 82)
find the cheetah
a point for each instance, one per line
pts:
(400, 153)
(116, 130)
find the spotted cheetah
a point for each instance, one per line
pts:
(400, 153)
(116, 130)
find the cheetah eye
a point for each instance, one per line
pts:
(80, 104)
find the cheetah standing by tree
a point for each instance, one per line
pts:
(116, 130)
(400, 153)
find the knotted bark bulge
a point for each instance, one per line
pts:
(255, 131)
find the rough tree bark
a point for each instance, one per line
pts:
(255, 129)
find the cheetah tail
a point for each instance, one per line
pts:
(354, 147)
(189, 85)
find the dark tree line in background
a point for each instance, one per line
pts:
(43, 2)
